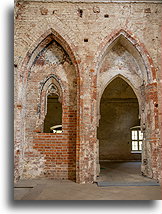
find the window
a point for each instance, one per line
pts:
(137, 138)
(53, 118)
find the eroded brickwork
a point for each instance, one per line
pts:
(79, 48)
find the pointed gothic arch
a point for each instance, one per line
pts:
(133, 44)
(135, 90)
(40, 44)
(127, 81)
(119, 110)
(66, 86)
(50, 85)
(123, 56)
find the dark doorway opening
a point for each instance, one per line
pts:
(119, 110)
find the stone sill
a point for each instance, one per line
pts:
(136, 152)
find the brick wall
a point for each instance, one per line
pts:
(59, 150)
(54, 42)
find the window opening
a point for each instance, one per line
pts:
(53, 118)
(136, 138)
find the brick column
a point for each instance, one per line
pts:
(86, 144)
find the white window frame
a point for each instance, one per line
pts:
(137, 140)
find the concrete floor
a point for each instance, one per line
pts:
(44, 189)
(121, 172)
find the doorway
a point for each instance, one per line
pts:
(119, 115)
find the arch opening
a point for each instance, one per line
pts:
(124, 56)
(53, 118)
(119, 113)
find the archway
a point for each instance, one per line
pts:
(119, 122)
(123, 56)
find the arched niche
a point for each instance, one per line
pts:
(133, 46)
(123, 48)
(51, 69)
(50, 88)
(34, 59)
(51, 64)
(43, 41)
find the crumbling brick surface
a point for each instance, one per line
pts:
(80, 47)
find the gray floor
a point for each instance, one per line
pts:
(121, 172)
(67, 190)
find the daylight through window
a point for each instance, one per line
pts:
(137, 138)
